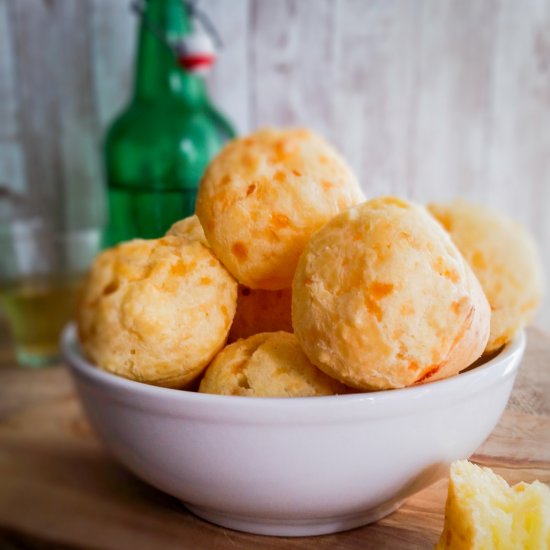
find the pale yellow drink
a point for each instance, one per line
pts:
(37, 309)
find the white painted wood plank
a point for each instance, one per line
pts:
(228, 83)
(449, 135)
(291, 62)
(12, 167)
(57, 115)
(373, 86)
(12, 170)
(38, 74)
(8, 95)
(79, 146)
(519, 159)
(113, 30)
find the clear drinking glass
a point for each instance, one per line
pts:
(41, 267)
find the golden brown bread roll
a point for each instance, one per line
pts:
(270, 364)
(189, 228)
(156, 311)
(504, 259)
(261, 311)
(383, 299)
(262, 198)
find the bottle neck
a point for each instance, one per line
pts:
(158, 75)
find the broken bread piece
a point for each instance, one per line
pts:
(484, 513)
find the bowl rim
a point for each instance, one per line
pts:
(500, 367)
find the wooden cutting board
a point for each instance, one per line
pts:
(60, 489)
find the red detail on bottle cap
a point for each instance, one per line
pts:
(196, 62)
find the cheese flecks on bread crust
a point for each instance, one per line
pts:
(383, 299)
(264, 195)
(156, 311)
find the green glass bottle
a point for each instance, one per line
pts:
(156, 150)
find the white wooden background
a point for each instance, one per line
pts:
(429, 99)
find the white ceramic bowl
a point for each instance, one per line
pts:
(302, 466)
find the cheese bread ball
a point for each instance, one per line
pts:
(190, 228)
(156, 311)
(263, 197)
(383, 299)
(504, 259)
(270, 364)
(261, 311)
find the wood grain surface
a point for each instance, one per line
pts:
(60, 489)
(427, 99)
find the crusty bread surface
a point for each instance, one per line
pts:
(383, 299)
(270, 364)
(263, 197)
(504, 258)
(156, 311)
